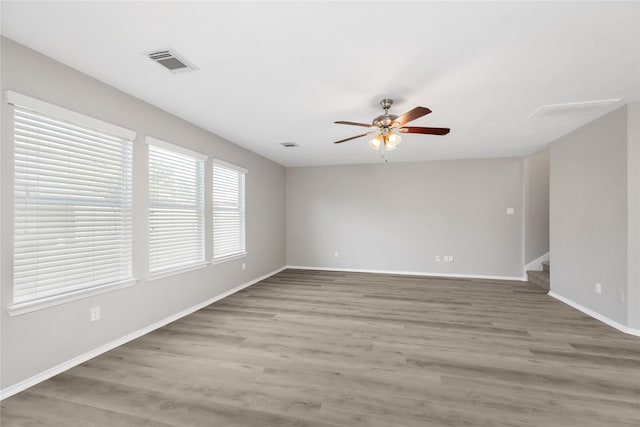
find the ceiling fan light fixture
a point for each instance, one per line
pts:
(389, 146)
(394, 139)
(375, 142)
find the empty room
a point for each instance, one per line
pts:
(345, 213)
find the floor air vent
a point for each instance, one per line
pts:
(171, 60)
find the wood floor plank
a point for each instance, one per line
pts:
(322, 348)
(30, 409)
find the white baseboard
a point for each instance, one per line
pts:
(45, 375)
(604, 319)
(412, 273)
(536, 264)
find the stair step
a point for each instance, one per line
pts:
(545, 266)
(539, 278)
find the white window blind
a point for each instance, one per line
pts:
(176, 207)
(72, 203)
(228, 210)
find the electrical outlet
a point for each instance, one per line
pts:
(450, 258)
(511, 211)
(437, 258)
(244, 266)
(95, 313)
(446, 258)
(336, 254)
(598, 288)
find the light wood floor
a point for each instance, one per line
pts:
(327, 348)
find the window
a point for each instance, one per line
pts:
(176, 207)
(72, 204)
(228, 210)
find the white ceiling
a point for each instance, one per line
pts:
(285, 71)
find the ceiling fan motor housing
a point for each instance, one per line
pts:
(384, 121)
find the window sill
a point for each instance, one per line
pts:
(30, 306)
(174, 271)
(229, 258)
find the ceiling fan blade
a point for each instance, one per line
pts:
(341, 122)
(353, 137)
(416, 113)
(430, 131)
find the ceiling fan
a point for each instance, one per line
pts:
(389, 126)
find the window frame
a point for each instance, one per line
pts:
(178, 151)
(28, 105)
(241, 210)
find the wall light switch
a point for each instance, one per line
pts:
(336, 254)
(598, 288)
(244, 266)
(511, 211)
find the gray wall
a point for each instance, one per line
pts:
(398, 217)
(588, 215)
(633, 216)
(34, 342)
(536, 205)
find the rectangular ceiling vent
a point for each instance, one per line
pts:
(572, 107)
(289, 144)
(171, 60)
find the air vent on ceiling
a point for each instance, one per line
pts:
(289, 144)
(171, 60)
(572, 107)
